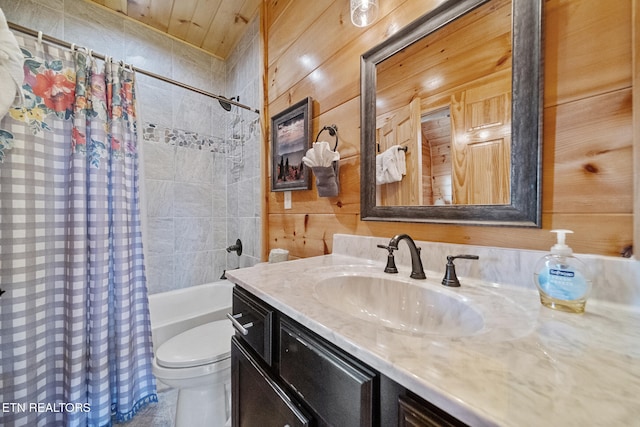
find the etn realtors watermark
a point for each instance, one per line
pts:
(14, 407)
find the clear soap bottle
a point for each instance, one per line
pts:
(563, 280)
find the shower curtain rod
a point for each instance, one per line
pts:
(68, 45)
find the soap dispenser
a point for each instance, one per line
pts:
(563, 280)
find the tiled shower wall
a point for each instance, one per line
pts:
(201, 162)
(243, 177)
(203, 186)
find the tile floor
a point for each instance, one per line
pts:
(159, 414)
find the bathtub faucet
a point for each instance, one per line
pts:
(224, 274)
(237, 248)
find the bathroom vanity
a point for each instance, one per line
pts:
(285, 373)
(333, 340)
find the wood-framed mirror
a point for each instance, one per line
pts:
(476, 66)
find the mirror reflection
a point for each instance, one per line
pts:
(475, 67)
(446, 101)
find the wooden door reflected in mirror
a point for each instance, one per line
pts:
(465, 68)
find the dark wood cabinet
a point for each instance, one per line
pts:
(284, 374)
(412, 413)
(258, 320)
(258, 400)
(338, 389)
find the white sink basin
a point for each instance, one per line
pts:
(402, 305)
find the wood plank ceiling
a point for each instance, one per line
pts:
(213, 25)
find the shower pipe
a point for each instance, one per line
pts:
(62, 43)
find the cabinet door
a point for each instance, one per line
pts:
(338, 389)
(258, 319)
(412, 413)
(257, 399)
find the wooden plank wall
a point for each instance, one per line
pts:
(312, 49)
(636, 118)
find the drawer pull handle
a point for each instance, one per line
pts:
(238, 327)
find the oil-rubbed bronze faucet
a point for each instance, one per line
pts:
(417, 271)
(237, 248)
(450, 278)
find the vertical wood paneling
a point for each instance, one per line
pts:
(265, 157)
(636, 122)
(588, 126)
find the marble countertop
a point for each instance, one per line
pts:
(528, 366)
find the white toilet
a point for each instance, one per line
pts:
(198, 363)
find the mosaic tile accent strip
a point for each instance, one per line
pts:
(150, 132)
(182, 138)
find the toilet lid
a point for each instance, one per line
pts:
(201, 345)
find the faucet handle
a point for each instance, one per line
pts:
(451, 257)
(390, 248)
(450, 279)
(391, 263)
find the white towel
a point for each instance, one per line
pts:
(320, 155)
(391, 165)
(11, 68)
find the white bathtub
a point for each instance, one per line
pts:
(176, 311)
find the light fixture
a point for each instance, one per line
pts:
(363, 12)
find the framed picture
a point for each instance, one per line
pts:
(290, 140)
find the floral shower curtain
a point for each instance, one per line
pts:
(75, 334)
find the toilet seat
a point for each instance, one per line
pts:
(202, 345)
(194, 374)
(197, 363)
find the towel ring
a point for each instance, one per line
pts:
(333, 131)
